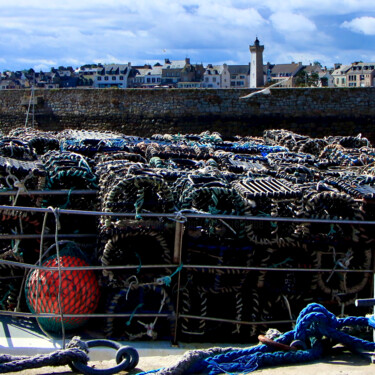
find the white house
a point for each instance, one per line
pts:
(216, 76)
(113, 75)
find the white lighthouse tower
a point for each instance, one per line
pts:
(256, 67)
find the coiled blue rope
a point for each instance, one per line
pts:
(314, 322)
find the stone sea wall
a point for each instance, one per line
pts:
(312, 111)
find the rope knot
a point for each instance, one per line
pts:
(76, 342)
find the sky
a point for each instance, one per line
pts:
(41, 34)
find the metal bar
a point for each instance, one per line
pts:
(48, 192)
(179, 231)
(199, 266)
(124, 315)
(37, 236)
(235, 321)
(177, 258)
(83, 268)
(177, 215)
(52, 315)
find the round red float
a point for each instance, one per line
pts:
(79, 292)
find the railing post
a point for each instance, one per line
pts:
(177, 256)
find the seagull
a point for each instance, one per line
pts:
(265, 91)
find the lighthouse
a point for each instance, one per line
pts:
(256, 67)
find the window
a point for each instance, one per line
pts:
(148, 80)
(362, 77)
(106, 78)
(206, 79)
(99, 78)
(337, 80)
(113, 78)
(343, 81)
(242, 77)
(213, 79)
(121, 78)
(153, 79)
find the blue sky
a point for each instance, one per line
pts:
(41, 34)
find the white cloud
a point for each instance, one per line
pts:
(320, 7)
(72, 32)
(364, 25)
(291, 24)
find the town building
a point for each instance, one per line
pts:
(339, 75)
(175, 71)
(280, 72)
(216, 76)
(239, 76)
(112, 75)
(358, 74)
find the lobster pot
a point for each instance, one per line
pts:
(208, 251)
(342, 288)
(39, 141)
(270, 197)
(63, 291)
(170, 151)
(16, 148)
(89, 143)
(198, 304)
(137, 193)
(11, 279)
(20, 175)
(216, 199)
(70, 171)
(332, 206)
(281, 294)
(20, 222)
(136, 248)
(150, 313)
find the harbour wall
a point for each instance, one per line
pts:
(316, 112)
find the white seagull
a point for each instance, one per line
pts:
(265, 91)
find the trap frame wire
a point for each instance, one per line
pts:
(179, 218)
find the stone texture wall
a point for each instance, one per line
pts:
(314, 112)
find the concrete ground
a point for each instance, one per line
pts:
(341, 364)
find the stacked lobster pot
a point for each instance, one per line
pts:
(128, 185)
(208, 244)
(232, 276)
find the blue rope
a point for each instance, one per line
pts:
(313, 323)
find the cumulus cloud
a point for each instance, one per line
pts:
(364, 25)
(72, 32)
(291, 23)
